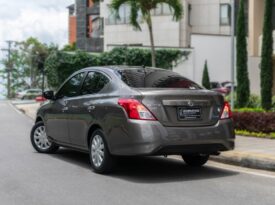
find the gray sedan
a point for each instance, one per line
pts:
(131, 111)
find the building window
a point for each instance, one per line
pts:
(94, 26)
(162, 9)
(90, 3)
(225, 14)
(124, 14)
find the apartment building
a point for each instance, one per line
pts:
(205, 30)
(86, 25)
(72, 24)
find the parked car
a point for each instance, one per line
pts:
(218, 87)
(29, 94)
(228, 85)
(40, 99)
(131, 111)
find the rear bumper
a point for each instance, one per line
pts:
(152, 138)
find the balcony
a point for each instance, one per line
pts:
(94, 44)
(95, 10)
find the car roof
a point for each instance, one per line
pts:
(118, 68)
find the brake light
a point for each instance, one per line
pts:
(136, 110)
(226, 113)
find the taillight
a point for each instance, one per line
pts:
(226, 113)
(136, 110)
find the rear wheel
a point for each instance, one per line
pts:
(195, 160)
(40, 141)
(101, 160)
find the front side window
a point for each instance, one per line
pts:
(94, 83)
(225, 14)
(155, 78)
(71, 88)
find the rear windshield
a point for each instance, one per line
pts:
(155, 78)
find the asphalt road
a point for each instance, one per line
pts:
(27, 177)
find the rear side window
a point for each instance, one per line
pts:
(94, 83)
(155, 78)
(72, 86)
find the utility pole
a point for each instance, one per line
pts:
(9, 65)
(232, 53)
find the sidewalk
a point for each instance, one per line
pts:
(250, 152)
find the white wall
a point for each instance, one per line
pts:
(185, 67)
(166, 31)
(254, 75)
(205, 17)
(217, 51)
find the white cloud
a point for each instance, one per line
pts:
(46, 20)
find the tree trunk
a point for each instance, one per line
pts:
(153, 51)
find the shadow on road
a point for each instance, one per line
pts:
(149, 169)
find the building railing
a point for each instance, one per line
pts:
(95, 10)
(95, 45)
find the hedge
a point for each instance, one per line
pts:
(255, 121)
(60, 65)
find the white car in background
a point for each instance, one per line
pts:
(29, 94)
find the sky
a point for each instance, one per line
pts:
(46, 20)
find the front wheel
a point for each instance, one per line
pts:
(40, 141)
(101, 160)
(195, 160)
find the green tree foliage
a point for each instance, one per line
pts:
(145, 7)
(205, 77)
(243, 89)
(27, 59)
(266, 64)
(69, 47)
(60, 65)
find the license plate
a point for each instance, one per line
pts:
(188, 113)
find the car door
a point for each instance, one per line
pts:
(86, 108)
(57, 118)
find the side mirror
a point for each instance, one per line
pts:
(49, 95)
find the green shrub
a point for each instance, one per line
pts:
(250, 110)
(243, 91)
(205, 77)
(254, 101)
(255, 134)
(266, 61)
(255, 121)
(60, 65)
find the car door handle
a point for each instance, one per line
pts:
(90, 108)
(65, 109)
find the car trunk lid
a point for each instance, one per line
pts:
(183, 107)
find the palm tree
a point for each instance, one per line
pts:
(145, 7)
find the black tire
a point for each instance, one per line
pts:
(108, 162)
(195, 160)
(51, 149)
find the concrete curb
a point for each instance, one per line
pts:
(28, 109)
(246, 159)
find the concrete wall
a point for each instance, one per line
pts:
(256, 14)
(185, 67)
(205, 17)
(217, 51)
(166, 31)
(254, 75)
